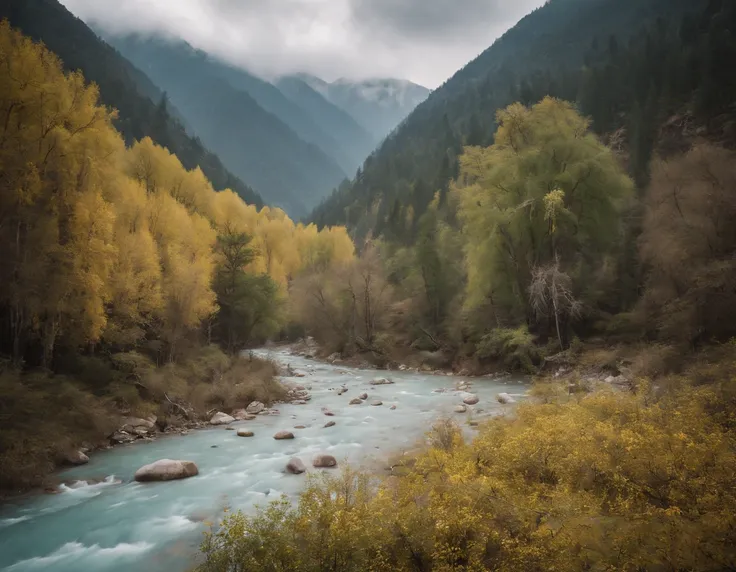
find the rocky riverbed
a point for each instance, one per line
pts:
(103, 519)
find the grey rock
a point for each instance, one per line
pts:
(166, 470)
(221, 418)
(255, 407)
(296, 466)
(77, 458)
(322, 461)
(505, 398)
(135, 425)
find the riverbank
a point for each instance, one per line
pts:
(50, 422)
(584, 475)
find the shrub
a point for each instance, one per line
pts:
(515, 349)
(607, 481)
(42, 417)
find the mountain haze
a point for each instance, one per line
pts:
(355, 140)
(256, 144)
(379, 105)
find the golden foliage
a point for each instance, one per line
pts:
(104, 242)
(607, 481)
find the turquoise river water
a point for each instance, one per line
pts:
(104, 521)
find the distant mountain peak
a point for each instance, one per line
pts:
(379, 104)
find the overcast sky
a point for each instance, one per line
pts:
(425, 41)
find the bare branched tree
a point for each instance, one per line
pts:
(551, 293)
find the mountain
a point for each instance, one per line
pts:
(255, 143)
(355, 140)
(545, 53)
(348, 152)
(379, 105)
(139, 101)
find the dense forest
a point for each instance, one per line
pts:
(143, 110)
(123, 273)
(629, 65)
(579, 225)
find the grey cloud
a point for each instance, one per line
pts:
(429, 19)
(425, 41)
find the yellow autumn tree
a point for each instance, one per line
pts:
(58, 149)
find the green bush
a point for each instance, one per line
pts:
(515, 349)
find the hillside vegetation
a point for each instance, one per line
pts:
(124, 275)
(550, 232)
(628, 64)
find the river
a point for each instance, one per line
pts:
(106, 522)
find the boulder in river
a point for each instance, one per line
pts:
(221, 418)
(243, 415)
(166, 470)
(505, 398)
(245, 433)
(327, 411)
(381, 381)
(322, 461)
(296, 466)
(392, 408)
(460, 409)
(255, 407)
(122, 437)
(342, 390)
(281, 435)
(329, 424)
(77, 458)
(137, 426)
(356, 401)
(363, 396)
(376, 403)
(471, 400)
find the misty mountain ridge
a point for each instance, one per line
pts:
(253, 128)
(295, 139)
(379, 104)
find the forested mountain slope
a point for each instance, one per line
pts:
(142, 110)
(543, 54)
(255, 144)
(355, 140)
